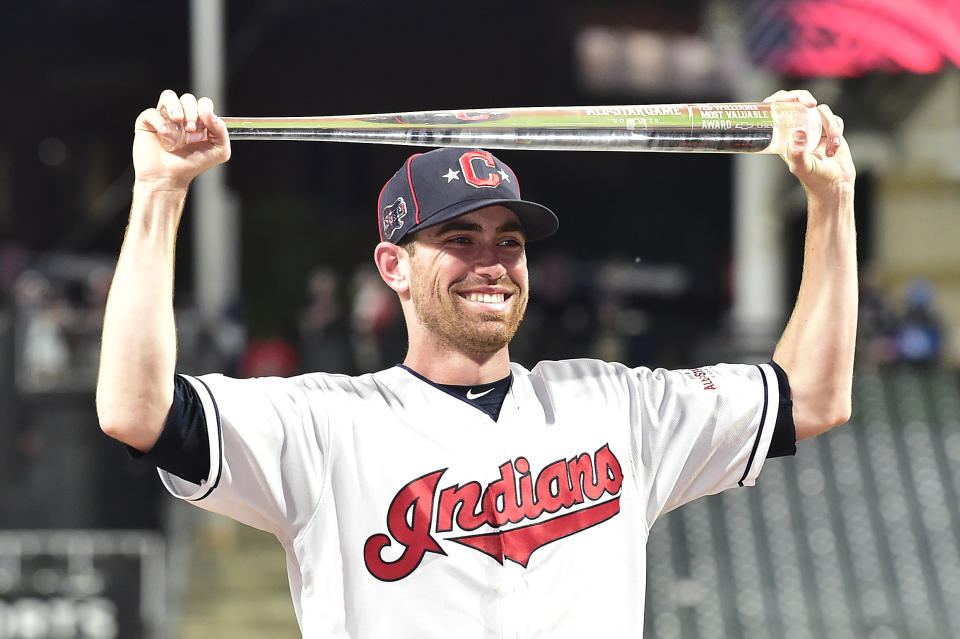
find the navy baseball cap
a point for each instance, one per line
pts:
(442, 184)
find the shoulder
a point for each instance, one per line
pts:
(599, 372)
(576, 369)
(295, 389)
(577, 378)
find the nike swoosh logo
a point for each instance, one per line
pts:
(472, 395)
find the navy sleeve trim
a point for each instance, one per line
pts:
(219, 452)
(763, 421)
(183, 448)
(784, 442)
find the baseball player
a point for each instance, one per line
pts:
(457, 493)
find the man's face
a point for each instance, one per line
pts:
(468, 279)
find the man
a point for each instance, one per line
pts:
(460, 494)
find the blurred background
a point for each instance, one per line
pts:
(667, 260)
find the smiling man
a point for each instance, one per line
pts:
(478, 310)
(454, 229)
(458, 493)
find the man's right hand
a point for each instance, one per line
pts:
(138, 352)
(198, 138)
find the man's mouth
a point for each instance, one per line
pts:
(486, 298)
(496, 301)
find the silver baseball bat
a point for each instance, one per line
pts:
(742, 127)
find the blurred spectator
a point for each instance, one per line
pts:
(914, 336)
(230, 338)
(561, 319)
(58, 302)
(324, 334)
(877, 325)
(13, 260)
(272, 357)
(624, 334)
(44, 352)
(379, 336)
(203, 346)
(89, 321)
(919, 336)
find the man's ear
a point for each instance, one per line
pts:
(393, 263)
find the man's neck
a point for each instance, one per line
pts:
(445, 366)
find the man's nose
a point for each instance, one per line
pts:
(489, 264)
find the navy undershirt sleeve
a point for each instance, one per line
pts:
(183, 448)
(784, 442)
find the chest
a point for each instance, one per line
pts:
(451, 484)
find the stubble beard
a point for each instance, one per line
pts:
(480, 333)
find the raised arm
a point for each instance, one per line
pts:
(817, 346)
(138, 351)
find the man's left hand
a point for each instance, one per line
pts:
(828, 170)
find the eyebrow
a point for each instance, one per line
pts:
(463, 225)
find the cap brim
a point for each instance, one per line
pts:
(538, 221)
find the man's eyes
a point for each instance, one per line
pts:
(465, 239)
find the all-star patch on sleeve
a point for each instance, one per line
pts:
(703, 430)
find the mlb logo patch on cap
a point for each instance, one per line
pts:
(442, 184)
(392, 218)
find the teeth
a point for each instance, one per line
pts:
(486, 298)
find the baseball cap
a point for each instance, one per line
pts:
(442, 184)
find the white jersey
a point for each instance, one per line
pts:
(407, 512)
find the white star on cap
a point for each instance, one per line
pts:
(504, 175)
(451, 175)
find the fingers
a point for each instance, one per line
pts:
(206, 118)
(827, 170)
(796, 157)
(832, 125)
(215, 127)
(802, 96)
(832, 129)
(182, 120)
(151, 120)
(183, 110)
(170, 103)
(178, 140)
(156, 122)
(204, 108)
(190, 110)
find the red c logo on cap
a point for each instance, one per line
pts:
(470, 176)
